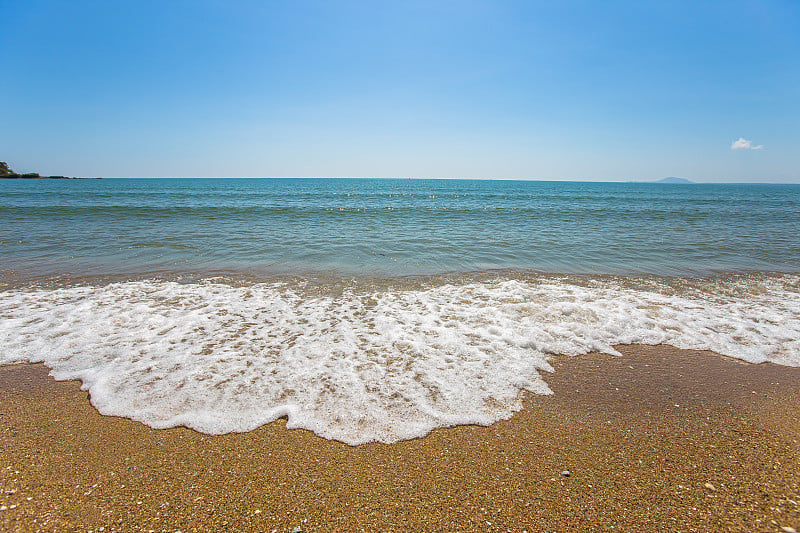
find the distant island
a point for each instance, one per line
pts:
(8, 174)
(673, 179)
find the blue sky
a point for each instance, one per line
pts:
(612, 90)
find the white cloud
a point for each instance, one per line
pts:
(744, 144)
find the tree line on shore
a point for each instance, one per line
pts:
(7, 173)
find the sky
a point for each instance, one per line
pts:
(572, 90)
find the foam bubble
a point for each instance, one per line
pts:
(363, 365)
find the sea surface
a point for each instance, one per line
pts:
(379, 309)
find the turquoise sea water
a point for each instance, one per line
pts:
(378, 310)
(394, 227)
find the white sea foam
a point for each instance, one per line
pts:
(369, 365)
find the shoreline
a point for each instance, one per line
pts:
(660, 439)
(15, 279)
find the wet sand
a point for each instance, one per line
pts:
(658, 440)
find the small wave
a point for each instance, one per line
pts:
(169, 245)
(370, 362)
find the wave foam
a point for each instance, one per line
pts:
(369, 365)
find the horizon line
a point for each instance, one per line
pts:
(562, 180)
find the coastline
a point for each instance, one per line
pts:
(660, 439)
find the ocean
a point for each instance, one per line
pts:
(379, 309)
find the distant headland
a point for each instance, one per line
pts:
(8, 174)
(673, 179)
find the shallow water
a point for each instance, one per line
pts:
(378, 310)
(394, 227)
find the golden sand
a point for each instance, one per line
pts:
(658, 440)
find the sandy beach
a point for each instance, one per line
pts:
(660, 439)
